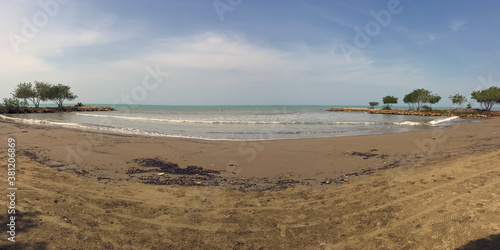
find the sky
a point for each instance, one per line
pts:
(242, 52)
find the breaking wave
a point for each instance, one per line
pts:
(431, 123)
(223, 121)
(441, 120)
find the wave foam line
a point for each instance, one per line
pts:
(438, 121)
(42, 122)
(102, 129)
(224, 121)
(408, 123)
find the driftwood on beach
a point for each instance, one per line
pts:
(468, 113)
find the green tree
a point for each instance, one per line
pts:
(410, 99)
(373, 104)
(458, 99)
(13, 104)
(59, 93)
(433, 99)
(26, 91)
(487, 98)
(34, 93)
(42, 89)
(419, 97)
(389, 100)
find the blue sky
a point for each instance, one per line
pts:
(250, 52)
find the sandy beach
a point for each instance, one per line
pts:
(426, 189)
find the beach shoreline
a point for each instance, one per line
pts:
(263, 158)
(79, 184)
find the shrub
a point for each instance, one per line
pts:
(458, 100)
(389, 100)
(427, 108)
(12, 105)
(373, 104)
(487, 98)
(419, 97)
(59, 93)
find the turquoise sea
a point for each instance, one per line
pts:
(235, 122)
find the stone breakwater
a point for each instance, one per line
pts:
(467, 113)
(81, 108)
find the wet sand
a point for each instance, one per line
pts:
(435, 188)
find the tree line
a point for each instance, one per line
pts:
(419, 98)
(39, 92)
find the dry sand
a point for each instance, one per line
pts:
(440, 189)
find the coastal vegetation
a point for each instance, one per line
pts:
(373, 104)
(487, 98)
(420, 100)
(13, 105)
(43, 91)
(458, 99)
(472, 113)
(388, 101)
(419, 97)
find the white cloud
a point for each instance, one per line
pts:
(456, 25)
(234, 56)
(206, 62)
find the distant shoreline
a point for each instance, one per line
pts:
(76, 108)
(466, 113)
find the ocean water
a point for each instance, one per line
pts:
(235, 122)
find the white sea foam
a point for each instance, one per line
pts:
(221, 121)
(42, 122)
(441, 120)
(239, 124)
(431, 123)
(408, 123)
(101, 129)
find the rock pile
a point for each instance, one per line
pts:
(461, 113)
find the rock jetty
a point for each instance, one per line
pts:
(76, 108)
(467, 113)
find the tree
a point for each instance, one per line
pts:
(35, 94)
(433, 99)
(419, 97)
(373, 104)
(389, 100)
(42, 89)
(26, 91)
(487, 98)
(13, 104)
(410, 99)
(59, 93)
(458, 99)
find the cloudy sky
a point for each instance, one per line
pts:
(250, 52)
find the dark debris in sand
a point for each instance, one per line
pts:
(155, 164)
(369, 154)
(155, 171)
